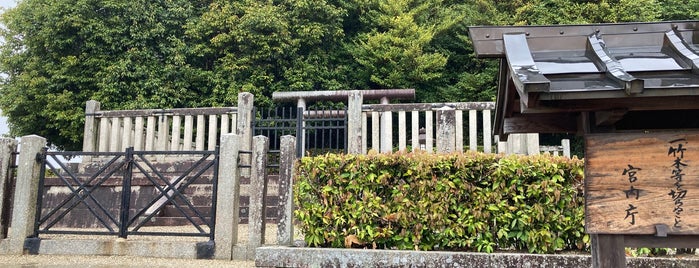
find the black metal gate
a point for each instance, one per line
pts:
(112, 190)
(317, 131)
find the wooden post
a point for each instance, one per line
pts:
(607, 251)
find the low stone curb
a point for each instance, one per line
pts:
(324, 257)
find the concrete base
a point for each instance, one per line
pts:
(322, 257)
(118, 247)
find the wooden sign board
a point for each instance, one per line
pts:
(642, 183)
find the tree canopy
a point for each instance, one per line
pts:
(139, 54)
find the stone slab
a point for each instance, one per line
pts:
(324, 257)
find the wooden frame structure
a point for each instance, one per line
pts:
(633, 91)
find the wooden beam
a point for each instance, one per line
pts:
(671, 241)
(540, 123)
(609, 118)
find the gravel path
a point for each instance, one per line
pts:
(75, 261)
(72, 261)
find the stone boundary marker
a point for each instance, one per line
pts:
(324, 257)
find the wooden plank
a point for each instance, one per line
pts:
(635, 183)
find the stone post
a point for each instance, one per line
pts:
(26, 189)
(354, 122)
(285, 227)
(244, 127)
(565, 143)
(386, 129)
(301, 130)
(446, 130)
(7, 147)
(90, 131)
(227, 197)
(532, 143)
(258, 192)
(487, 132)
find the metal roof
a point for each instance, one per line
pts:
(573, 78)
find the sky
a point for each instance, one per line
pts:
(3, 121)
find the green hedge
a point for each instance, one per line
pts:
(470, 201)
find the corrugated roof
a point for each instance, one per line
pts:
(578, 73)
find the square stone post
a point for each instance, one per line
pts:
(227, 198)
(287, 157)
(26, 190)
(258, 193)
(7, 148)
(354, 122)
(90, 131)
(244, 126)
(386, 129)
(446, 130)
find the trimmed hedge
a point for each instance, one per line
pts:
(466, 201)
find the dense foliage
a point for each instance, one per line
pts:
(57, 54)
(473, 201)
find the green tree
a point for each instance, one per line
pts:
(126, 54)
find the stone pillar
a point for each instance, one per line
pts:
(565, 143)
(227, 197)
(487, 132)
(258, 193)
(301, 130)
(354, 122)
(386, 129)
(516, 144)
(7, 147)
(244, 127)
(285, 227)
(90, 131)
(26, 189)
(532, 143)
(446, 130)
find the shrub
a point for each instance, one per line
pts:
(466, 201)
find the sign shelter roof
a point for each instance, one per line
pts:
(594, 78)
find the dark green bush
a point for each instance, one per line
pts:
(471, 201)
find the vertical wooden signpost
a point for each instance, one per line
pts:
(641, 190)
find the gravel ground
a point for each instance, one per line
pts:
(75, 261)
(72, 261)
